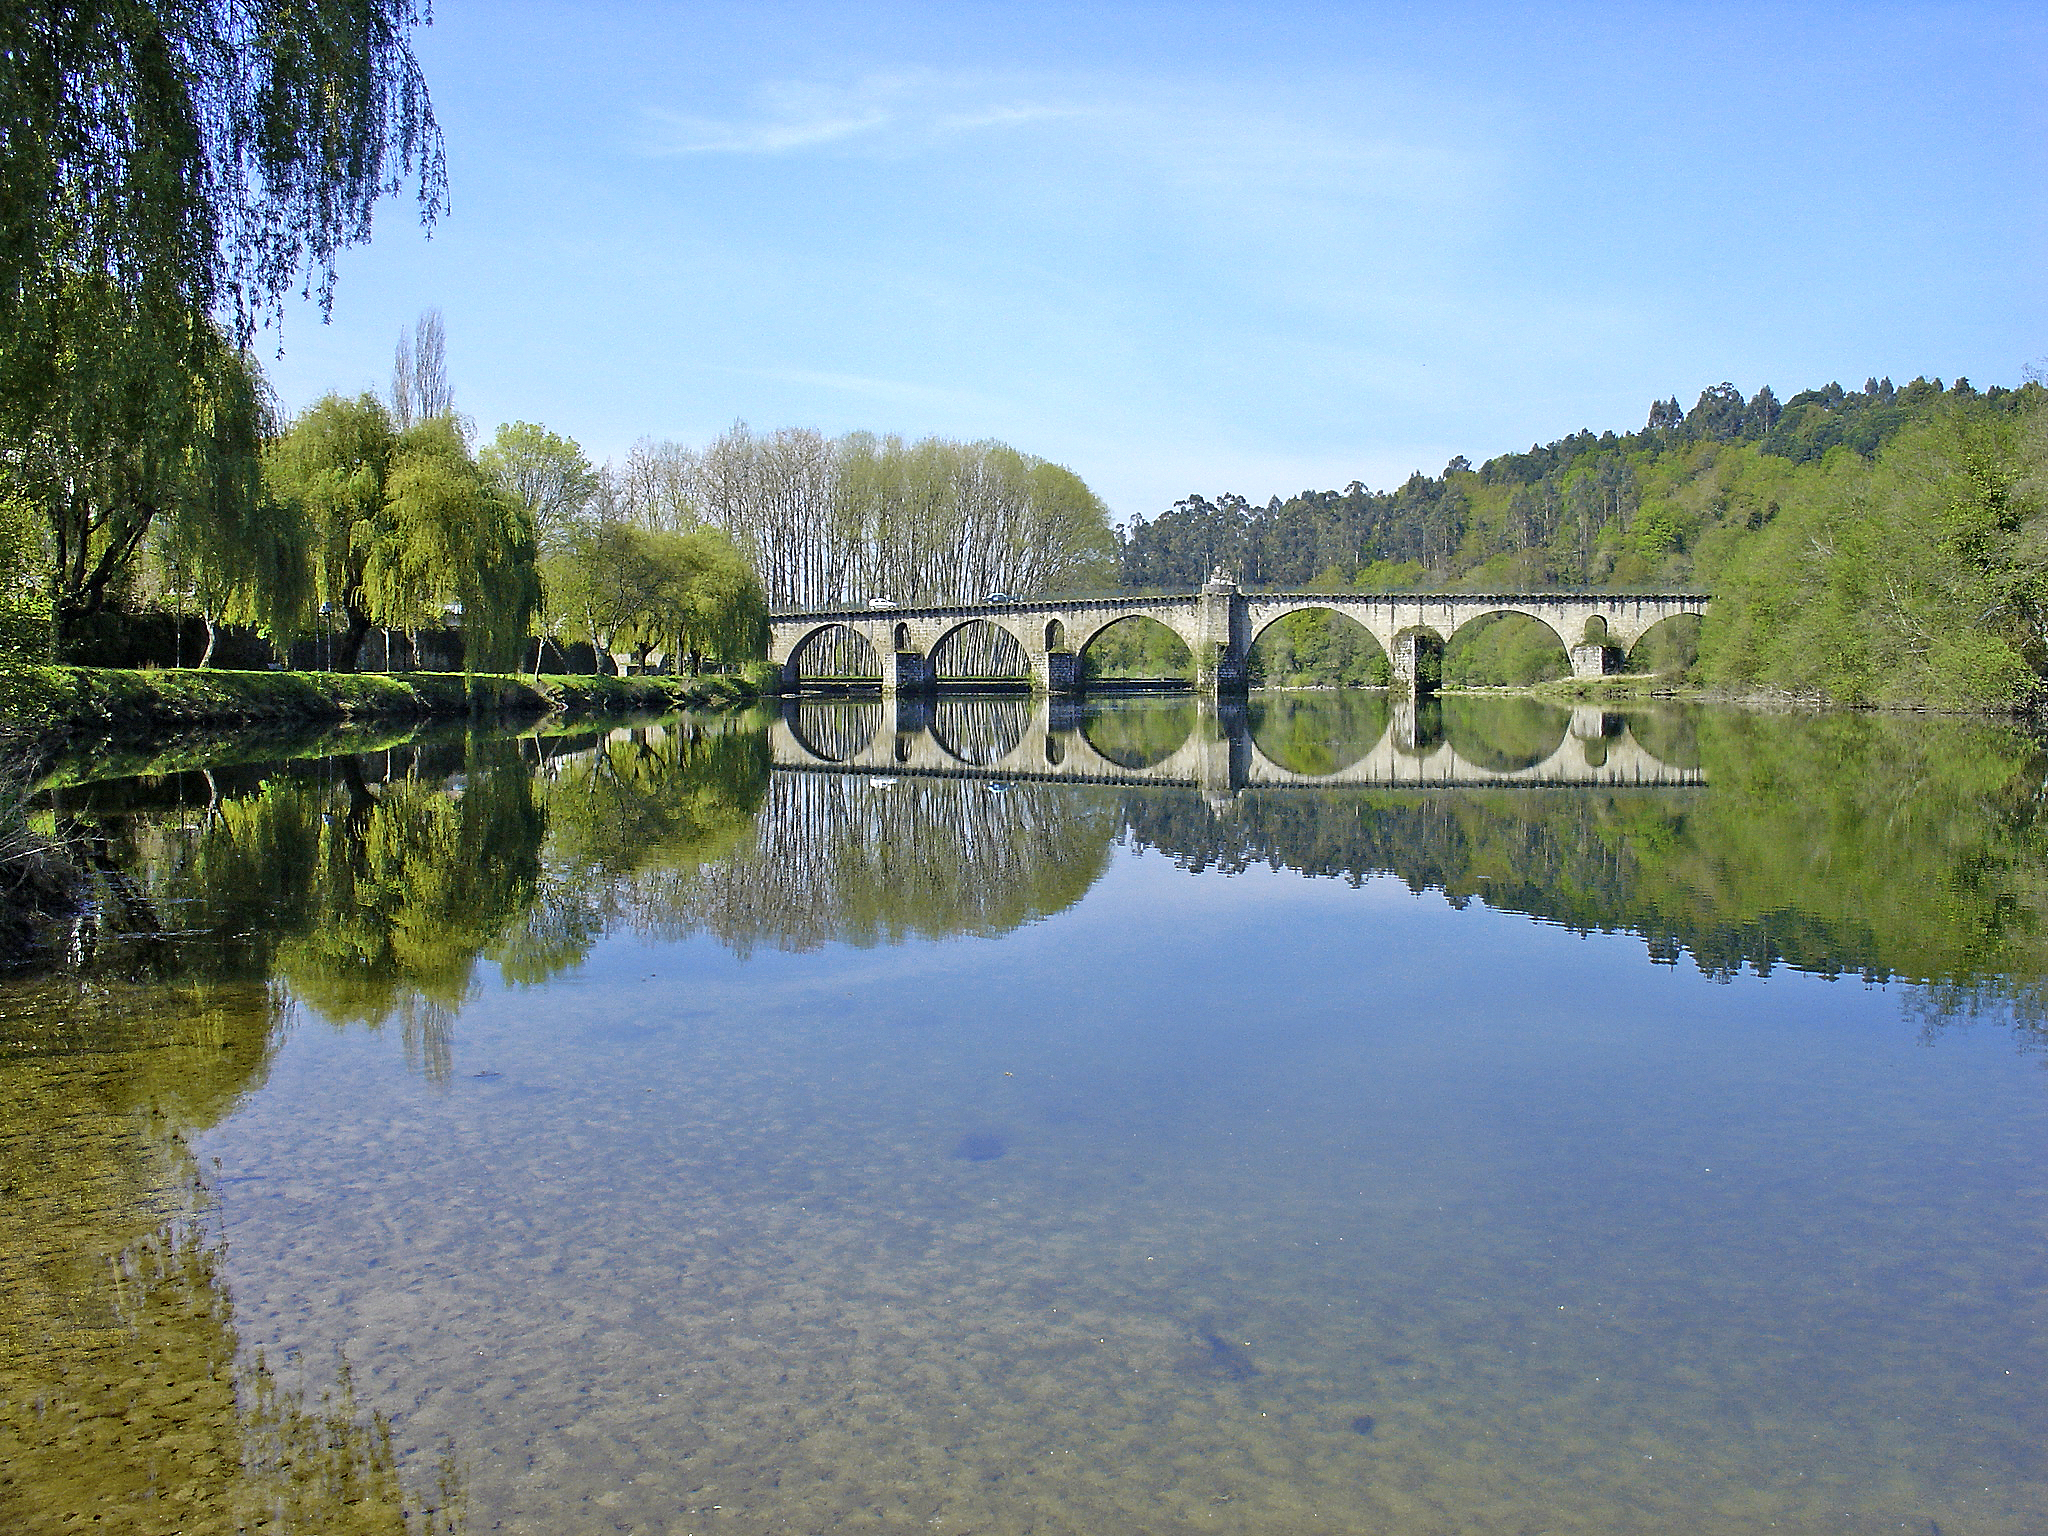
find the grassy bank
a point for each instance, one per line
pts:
(1617, 687)
(45, 702)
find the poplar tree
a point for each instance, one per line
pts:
(829, 521)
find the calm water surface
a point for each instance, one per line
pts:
(994, 1119)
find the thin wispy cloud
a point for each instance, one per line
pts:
(877, 113)
(1385, 144)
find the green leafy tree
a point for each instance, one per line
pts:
(407, 527)
(200, 157)
(332, 465)
(602, 584)
(24, 582)
(162, 165)
(1920, 581)
(151, 430)
(242, 556)
(716, 608)
(629, 589)
(449, 540)
(547, 474)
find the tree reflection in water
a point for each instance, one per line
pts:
(1317, 733)
(369, 887)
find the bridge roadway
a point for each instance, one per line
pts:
(1219, 625)
(1014, 739)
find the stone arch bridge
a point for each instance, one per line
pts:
(1012, 740)
(1218, 624)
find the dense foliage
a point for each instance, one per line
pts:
(636, 591)
(1867, 545)
(167, 173)
(404, 527)
(1921, 578)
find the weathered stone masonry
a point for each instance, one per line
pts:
(1219, 623)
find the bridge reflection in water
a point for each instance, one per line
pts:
(1218, 748)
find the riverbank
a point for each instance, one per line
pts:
(45, 709)
(42, 703)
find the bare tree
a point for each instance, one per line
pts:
(836, 522)
(419, 373)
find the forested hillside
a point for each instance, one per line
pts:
(1875, 545)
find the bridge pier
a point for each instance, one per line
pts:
(1595, 659)
(1222, 639)
(907, 672)
(1418, 662)
(1055, 673)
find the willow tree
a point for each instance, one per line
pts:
(629, 589)
(332, 465)
(450, 539)
(146, 429)
(235, 551)
(249, 564)
(714, 605)
(166, 165)
(405, 527)
(24, 583)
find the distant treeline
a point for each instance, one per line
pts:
(1873, 545)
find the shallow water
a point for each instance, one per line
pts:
(692, 1130)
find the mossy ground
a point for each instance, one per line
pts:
(45, 702)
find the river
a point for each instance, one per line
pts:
(997, 1118)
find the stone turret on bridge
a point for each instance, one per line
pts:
(1219, 625)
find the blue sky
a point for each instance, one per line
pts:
(1200, 247)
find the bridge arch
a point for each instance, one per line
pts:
(1513, 647)
(1670, 645)
(1139, 646)
(1564, 642)
(1085, 624)
(834, 650)
(1347, 652)
(980, 649)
